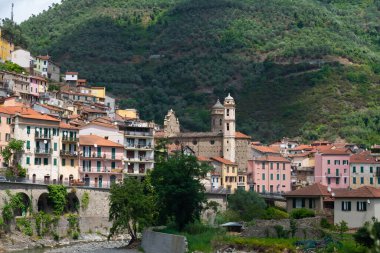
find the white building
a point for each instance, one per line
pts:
(22, 58)
(356, 206)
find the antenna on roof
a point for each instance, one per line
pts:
(12, 12)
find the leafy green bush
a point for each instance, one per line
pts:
(25, 226)
(248, 205)
(280, 231)
(325, 224)
(272, 213)
(58, 196)
(85, 200)
(300, 213)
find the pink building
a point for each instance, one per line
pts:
(100, 161)
(269, 174)
(34, 87)
(332, 168)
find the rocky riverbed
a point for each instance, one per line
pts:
(17, 242)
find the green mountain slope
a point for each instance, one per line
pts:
(297, 68)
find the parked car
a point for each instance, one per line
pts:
(3, 179)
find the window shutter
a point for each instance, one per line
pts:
(310, 203)
(357, 206)
(342, 205)
(303, 202)
(364, 206)
(349, 206)
(294, 203)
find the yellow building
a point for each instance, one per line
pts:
(6, 48)
(128, 113)
(99, 92)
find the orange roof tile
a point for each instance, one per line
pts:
(26, 112)
(240, 135)
(269, 158)
(311, 190)
(302, 147)
(300, 154)
(43, 57)
(265, 149)
(38, 78)
(67, 126)
(364, 157)
(327, 150)
(91, 140)
(222, 160)
(71, 73)
(362, 192)
(203, 159)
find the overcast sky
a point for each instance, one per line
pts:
(23, 9)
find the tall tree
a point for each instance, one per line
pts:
(11, 155)
(247, 205)
(180, 193)
(131, 207)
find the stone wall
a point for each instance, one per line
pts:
(155, 242)
(306, 228)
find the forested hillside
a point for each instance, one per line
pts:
(306, 68)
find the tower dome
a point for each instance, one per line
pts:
(229, 100)
(218, 105)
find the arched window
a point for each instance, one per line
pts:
(228, 126)
(220, 122)
(228, 112)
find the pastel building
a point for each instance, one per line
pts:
(6, 127)
(269, 174)
(332, 168)
(101, 161)
(45, 67)
(6, 49)
(69, 155)
(364, 170)
(22, 58)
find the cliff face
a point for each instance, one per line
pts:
(307, 68)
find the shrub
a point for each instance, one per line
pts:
(25, 226)
(85, 200)
(281, 232)
(272, 213)
(325, 224)
(300, 213)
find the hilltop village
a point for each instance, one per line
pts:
(74, 134)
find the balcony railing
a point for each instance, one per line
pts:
(68, 153)
(139, 146)
(70, 139)
(43, 151)
(333, 175)
(139, 159)
(100, 170)
(133, 133)
(102, 156)
(39, 136)
(241, 184)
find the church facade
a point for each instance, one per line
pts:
(222, 141)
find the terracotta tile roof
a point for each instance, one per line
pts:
(362, 192)
(67, 126)
(269, 158)
(103, 124)
(301, 147)
(222, 160)
(77, 93)
(82, 81)
(50, 107)
(256, 143)
(38, 78)
(92, 110)
(265, 149)
(43, 57)
(329, 151)
(90, 140)
(240, 135)
(300, 154)
(159, 134)
(71, 73)
(311, 190)
(364, 157)
(203, 159)
(26, 112)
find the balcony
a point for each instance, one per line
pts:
(70, 139)
(100, 156)
(139, 134)
(39, 136)
(96, 170)
(41, 151)
(241, 184)
(139, 159)
(68, 153)
(139, 147)
(333, 175)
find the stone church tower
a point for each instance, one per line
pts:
(217, 117)
(171, 124)
(229, 146)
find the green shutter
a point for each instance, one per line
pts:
(28, 160)
(28, 129)
(72, 162)
(55, 161)
(55, 146)
(63, 162)
(27, 144)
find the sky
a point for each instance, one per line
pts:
(23, 9)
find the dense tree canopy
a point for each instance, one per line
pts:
(297, 68)
(180, 194)
(247, 204)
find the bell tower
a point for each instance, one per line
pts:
(229, 126)
(217, 115)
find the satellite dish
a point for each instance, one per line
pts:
(45, 141)
(95, 145)
(329, 189)
(333, 194)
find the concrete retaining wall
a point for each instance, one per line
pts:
(155, 242)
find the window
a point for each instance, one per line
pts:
(271, 176)
(7, 137)
(337, 181)
(278, 176)
(263, 176)
(220, 122)
(328, 171)
(362, 180)
(212, 142)
(336, 162)
(37, 161)
(195, 142)
(63, 162)
(283, 166)
(55, 146)
(113, 165)
(329, 181)
(28, 160)
(345, 180)
(228, 112)
(371, 180)
(337, 172)
(278, 166)
(370, 169)
(361, 206)
(28, 129)
(361, 169)
(72, 162)
(28, 145)
(271, 166)
(263, 165)
(228, 126)
(55, 161)
(283, 177)
(328, 161)
(346, 206)
(263, 188)
(46, 161)
(8, 121)
(54, 132)
(354, 169)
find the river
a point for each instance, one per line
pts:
(95, 247)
